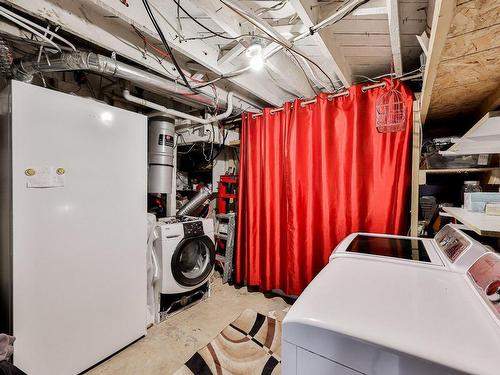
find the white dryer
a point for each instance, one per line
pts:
(390, 305)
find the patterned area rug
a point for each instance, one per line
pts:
(250, 345)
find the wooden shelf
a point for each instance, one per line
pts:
(422, 180)
(482, 224)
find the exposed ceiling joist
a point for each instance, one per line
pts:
(393, 18)
(231, 54)
(198, 50)
(90, 25)
(306, 10)
(288, 73)
(103, 24)
(289, 29)
(371, 8)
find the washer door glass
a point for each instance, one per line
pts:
(193, 260)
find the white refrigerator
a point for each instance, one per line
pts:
(73, 228)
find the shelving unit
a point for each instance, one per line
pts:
(422, 177)
(482, 224)
(482, 138)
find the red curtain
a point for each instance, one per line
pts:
(309, 176)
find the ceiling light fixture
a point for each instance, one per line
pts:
(257, 62)
(254, 54)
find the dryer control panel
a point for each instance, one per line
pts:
(193, 229)
(471, 258)
(452, 242)
(485, 275)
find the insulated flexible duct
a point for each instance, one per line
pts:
(195, 203)
(108, 66)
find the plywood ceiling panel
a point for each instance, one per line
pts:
(474, 15)
(469, 69)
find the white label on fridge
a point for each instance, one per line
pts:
(45, 177)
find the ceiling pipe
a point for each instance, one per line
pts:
(96, 63)
(162, 110)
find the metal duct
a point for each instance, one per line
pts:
(195, 203)
(161, 135)
(100, 64)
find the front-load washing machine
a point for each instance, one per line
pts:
(185, 249)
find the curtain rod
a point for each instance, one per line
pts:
(342, 93)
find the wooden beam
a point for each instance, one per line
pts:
(297, 28)
(231, 54)
(116, 19)
(87, 22)
(393, 18)
(415, 166)
(444, 11)
(338, 66)
(291, 76)
(370, 8)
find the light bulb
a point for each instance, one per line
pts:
(256, 62)
(253, 50)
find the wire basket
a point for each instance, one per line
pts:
(391, 112)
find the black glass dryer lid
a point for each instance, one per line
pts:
(401, 248)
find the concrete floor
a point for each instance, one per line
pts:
(168, 345)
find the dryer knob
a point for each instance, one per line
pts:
(493, 291)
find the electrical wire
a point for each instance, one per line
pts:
(392, 75)
(183, 141)
(291, 50)
(166, 45)
(274, 8)
(167, 21)
(195, 88)
(179, 21)
(268, 71)
(30, 29)
(214, 34)
(305, 74)
(33, 24)
(202, 25)
(221, 147)
(160, 55)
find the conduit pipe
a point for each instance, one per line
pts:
(172, 112)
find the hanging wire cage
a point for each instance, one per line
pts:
(391, 112)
